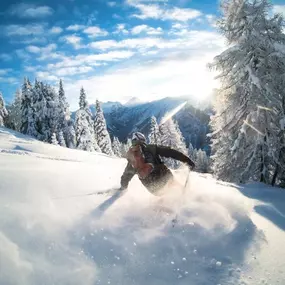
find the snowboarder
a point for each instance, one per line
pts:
(144, 160)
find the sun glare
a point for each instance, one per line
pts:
(172, 113)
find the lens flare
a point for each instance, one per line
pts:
(170, 114)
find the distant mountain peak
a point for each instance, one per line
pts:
(133, 101)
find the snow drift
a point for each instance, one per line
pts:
(51, 232)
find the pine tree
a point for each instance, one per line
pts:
(3, 111)
(129, 143)
(39, 106)
(101, 133)
(54, 139)
(116, 145)
(154, 136)
(70, 135)
(248, 107)
(51, 112)
(27, 112)
(191, 151)
(84, 134)
(202, 162)
(14, 114)
(171, 136)
(124, 149)
(84, 126)
(61, 139)
(195, 151)
(64, 113)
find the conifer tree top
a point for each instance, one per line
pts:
(83, 104)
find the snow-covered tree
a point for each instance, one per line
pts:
(61, 139)
(191, 151)
(64, 113)
(54, 139)
(101, 133)
(70, 134)
(84, 134)
(248, 107)
(125, 147)
(28, 126)
(116, 145)
(154, 135)
(51, 112)
(84, 127)
(202, 162)
(171, 135)
(40, 114)
(3, 111)
(195, 151)
(14, 114)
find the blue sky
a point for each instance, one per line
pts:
(115, 49)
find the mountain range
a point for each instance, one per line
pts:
(135, 115)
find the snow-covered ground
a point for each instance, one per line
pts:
(52, 233)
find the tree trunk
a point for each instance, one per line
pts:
(275, 175)
(262, 176)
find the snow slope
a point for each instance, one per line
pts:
(51, 232)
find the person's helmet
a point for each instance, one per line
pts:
(138, 137)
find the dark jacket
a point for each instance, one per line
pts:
(160, 174)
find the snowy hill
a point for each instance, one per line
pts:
(53, 232)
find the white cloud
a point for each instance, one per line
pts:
(109, 56)
(189, 40)
(33, 49)
(90, 59)
(146, 29)
(111, 4)
(10, 80)
(178, 26)
(170, 77)
(56, 30)
(121, 29)
(28, 40)
(67, 71)
(62, 72)
(30, 68)
(24, 10)
(22, 54)
(46, 76)
(74, 40)
(176, 67)
(5, 71)
(154, 11)
(5, 57)
(95, 31)
(133, 43)
(117, 17)
(44, 53)
(181, 14)
(107, 44)
(179, 29)
(212, 20)
(279, 9)
(75, 28)
(24, 30)
(47, 49)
